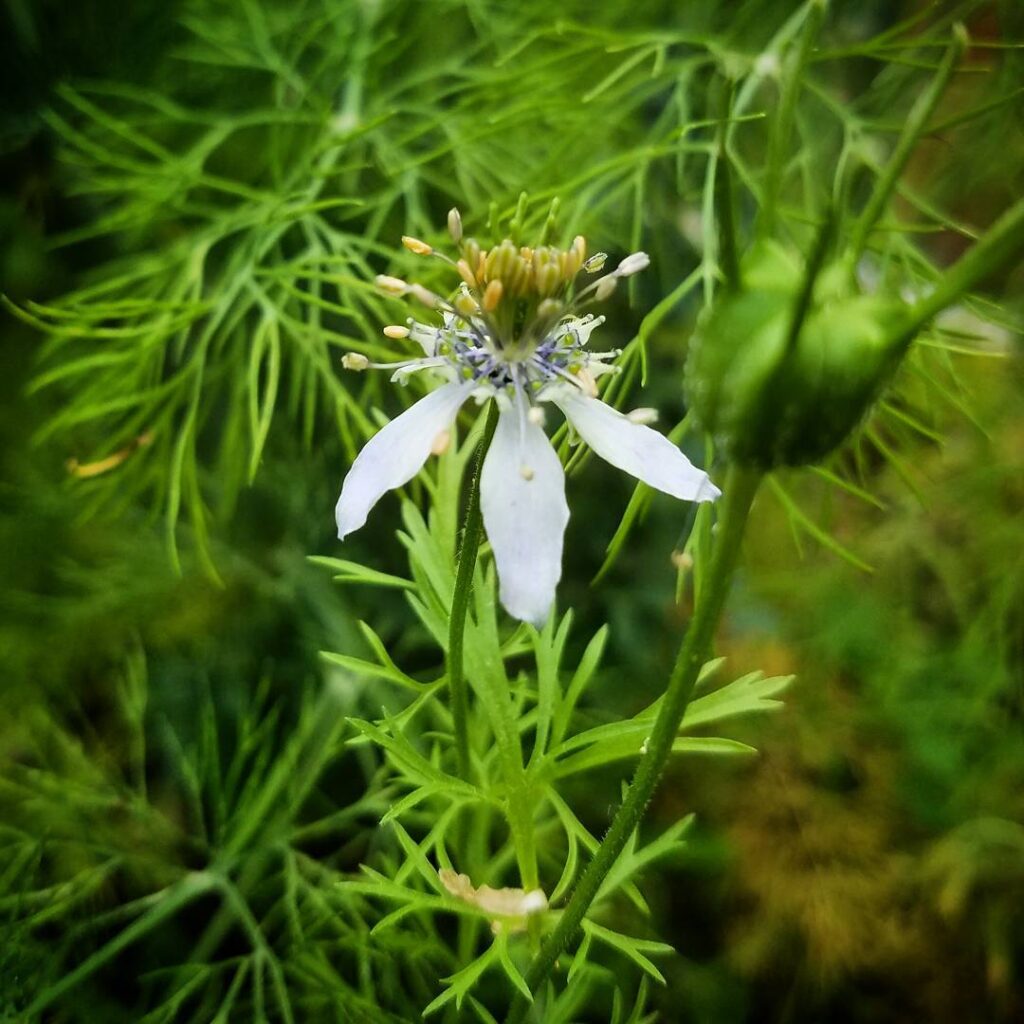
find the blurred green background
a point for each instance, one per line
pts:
(867, 866)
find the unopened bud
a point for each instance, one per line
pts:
(777, 394)
(391, 285)
(633, 264)
(455, 225)
(492, 296)
(355, 361)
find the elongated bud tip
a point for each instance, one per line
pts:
(633, 264)
(355, 361)
(396, 331)
(493, 294)
(417, 246)
(455, 225)
(390, 285)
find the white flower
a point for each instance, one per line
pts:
(507, 908)
(526, 346)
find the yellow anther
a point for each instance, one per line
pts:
(416, 246)
(492, 296)
(466, 305)
(391, 285)
(455, 225)
(354, 361)
(396, 331)
(467, 275)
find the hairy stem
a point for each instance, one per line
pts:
(471, 530)
(740, 488)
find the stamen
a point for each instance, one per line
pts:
(467, 275)
(415, 245)
(492, 296)
(396, 331)
(455, 225)
(633, 264)
(643, 416)
(355, 361)
(391, 285)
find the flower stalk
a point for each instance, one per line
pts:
(739, 491)
(468, 550)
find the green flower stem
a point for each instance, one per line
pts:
(472, 528)
(740, 487)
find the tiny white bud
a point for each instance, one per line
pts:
(526, 472)
(396, 331)
(633, 264)
(536, 416)
(354, 361)
(643, 416)
(391, 285)
(605, 287)
(455, 225)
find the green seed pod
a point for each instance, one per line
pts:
(773, 390)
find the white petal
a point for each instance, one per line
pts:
(522, 497)
(396, 453)
(634, 448)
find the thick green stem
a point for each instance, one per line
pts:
(740, 487)
(471, 531)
